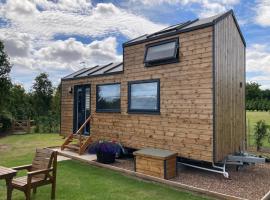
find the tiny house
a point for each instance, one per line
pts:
(180, 89)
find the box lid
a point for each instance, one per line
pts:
(155, 153)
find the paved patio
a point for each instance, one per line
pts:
(67, 154)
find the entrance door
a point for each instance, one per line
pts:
(81, 108)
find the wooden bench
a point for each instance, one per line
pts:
(7, 174)
(156, 162)
(41, 172)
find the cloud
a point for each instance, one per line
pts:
(258, 58)
(16, 44)
(31, 26)
(81, 6)
(58, 58)
(71, 51)
(207, 8)
(46, 19)
(263, 13)
(258, 64)
(14, 8)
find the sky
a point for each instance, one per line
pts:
(62, 36)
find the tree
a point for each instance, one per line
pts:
(253, 91)
(42, 95)
(5, 82)
(266, 94)
(260, 133)
(19, 103)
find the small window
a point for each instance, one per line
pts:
(143, 96)
(163, 52)
(108, 98)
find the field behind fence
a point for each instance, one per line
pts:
(252, 118)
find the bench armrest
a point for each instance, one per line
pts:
(37, 172)
(23, 167)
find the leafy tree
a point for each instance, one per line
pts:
(5, 82)
(253, 91)
(260, 133)
(42, 95)
(266, 94)
(19, 103)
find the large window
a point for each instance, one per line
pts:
(162, 52)
(143, 96)
(108, 98)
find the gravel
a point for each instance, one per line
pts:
(251, 182)
(127, 163)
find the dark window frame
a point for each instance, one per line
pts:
(163, 61)
(144, 111)
(98, 110)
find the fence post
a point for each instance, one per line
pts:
(28, 126)
(249, 136)
(12, 125)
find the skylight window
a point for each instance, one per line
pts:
(163, 52)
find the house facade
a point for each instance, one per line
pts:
(180, 89)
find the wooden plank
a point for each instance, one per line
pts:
(230, 97)
(185, 123)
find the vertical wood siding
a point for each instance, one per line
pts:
(185, 123)
(229, 96)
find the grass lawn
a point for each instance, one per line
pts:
(79, 181)
(252, 118)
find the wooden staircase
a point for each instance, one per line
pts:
(76, 141)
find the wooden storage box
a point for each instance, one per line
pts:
(156, 162)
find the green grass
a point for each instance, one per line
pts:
(252, 118)
(20, 149)
(78, 181)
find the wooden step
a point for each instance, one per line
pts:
(75, 136)
(72, 147)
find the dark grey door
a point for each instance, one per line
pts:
(81, 107)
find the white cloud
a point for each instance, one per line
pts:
(263, 13)
(81, 6)
(71, 51)
(258, 62)
(258, 58)
(58, 58)
(101, 20)
(16, 44)
(32, 26)
(14, 8)
(207, 7)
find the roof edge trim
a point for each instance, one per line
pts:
(230, 12)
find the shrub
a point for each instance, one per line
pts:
(5, 122)
(47, 124)
(260, 133)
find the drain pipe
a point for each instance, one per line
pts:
(218, 169)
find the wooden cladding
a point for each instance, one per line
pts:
(201, 101)
(229, 89)
(184, 124)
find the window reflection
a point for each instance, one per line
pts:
(144, 96)
(161, 51)
(108, 97)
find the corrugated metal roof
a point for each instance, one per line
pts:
(107, 69)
